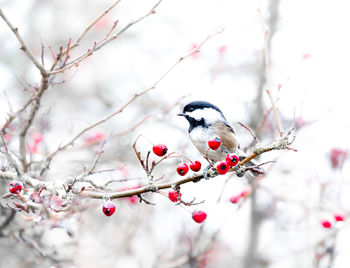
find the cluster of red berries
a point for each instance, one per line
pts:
(337, 217)
(231, 159)
(183, 168)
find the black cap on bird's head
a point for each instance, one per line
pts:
(195, 105)
(201, 113)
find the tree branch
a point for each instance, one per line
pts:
(22, 136)
(281, 144)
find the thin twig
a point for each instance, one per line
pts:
(14, 115)
(268, 75)
(103, 42)
(23, 45)
(97, 158)
(85, 31)
(250, 131)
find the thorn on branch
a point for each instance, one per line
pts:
(142, 199)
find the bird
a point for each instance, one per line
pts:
(206, 121)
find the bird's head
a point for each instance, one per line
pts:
(201, 113)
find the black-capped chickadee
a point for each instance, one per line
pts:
(206, 120)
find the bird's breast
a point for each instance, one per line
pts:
(200, 137)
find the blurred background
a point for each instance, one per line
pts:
(283, 221)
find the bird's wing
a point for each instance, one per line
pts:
(226, 134)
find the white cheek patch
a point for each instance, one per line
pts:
(210, 115)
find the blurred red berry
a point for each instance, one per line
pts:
(245, 192)
(108, 208)
(36, 198)
(195, 166)
(232, 159)
(337, 157)
(339, 217)
(234, 199)
(182, 169)
(195, 55)
(95, 137)
(174, 196)
(7, 137)
(160, 149)
(222, 167)
(222, 50)
(306, 56)
(56, 203)
(15, 187)
(326, 224)
(199, 216)
(133, 199)
(214, 142)
(32, 148)
(37, 137)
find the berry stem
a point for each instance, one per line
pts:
(206, 158)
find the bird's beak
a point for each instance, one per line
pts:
(181, 114)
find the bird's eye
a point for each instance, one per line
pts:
(191, 109)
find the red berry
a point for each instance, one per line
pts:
(214, 142)
(37, 137)
(234, 199)
(108, 208)
(95, 137)
(337, 157)
(15, 187)
(160, 149)
(195, 166)
(326, 224)
(232, 159)
(339, 217)
(245, 192)
(182, 169)
(174, 196)
(222, 167)
(199, 216)
(133, 199)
